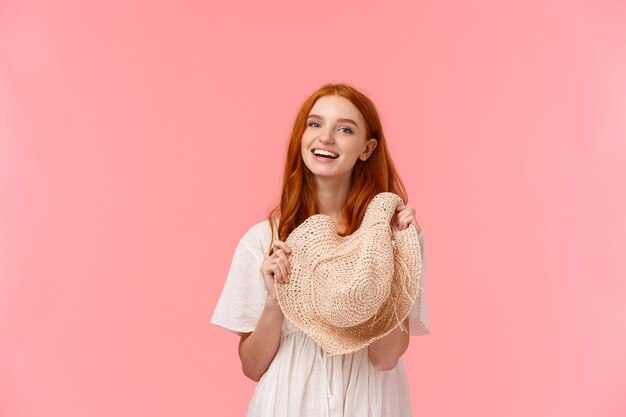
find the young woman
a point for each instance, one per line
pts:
(337, 161)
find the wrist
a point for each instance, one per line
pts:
(271, 302)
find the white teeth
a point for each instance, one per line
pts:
(323, 152)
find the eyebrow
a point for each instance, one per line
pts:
(339, 120)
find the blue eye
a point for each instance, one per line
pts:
(343, 129)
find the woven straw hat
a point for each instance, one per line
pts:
(345, 292)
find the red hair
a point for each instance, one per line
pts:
(375, 175)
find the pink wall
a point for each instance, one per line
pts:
(139, 141)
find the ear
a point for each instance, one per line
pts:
(369, 148)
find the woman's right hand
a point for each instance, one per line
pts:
(276, 266)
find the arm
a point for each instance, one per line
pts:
(258, 348)
(386, 351)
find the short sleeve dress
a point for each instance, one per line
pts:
(303, 380)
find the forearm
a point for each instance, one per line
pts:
(386, 351)
(257, 349)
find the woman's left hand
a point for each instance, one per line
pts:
(405, 216)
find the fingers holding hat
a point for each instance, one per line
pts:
(282, 245)
(282, 266)
(405, 216)
(276, 267)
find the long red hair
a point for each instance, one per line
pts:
(375, 175)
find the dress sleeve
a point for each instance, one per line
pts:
(418, 316)
(243, 297)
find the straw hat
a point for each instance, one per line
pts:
(346, 292)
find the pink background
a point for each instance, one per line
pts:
(139, 141)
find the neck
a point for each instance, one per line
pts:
(332, 194)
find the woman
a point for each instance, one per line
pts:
(337, 161)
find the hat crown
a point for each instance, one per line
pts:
(346, 291)
(349, 290)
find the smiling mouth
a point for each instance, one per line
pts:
(325, 156)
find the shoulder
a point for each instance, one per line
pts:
(258, 237)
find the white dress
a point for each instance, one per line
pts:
(303, 380)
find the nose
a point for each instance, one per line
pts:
(327, 135)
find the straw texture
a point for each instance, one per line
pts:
(346, 292)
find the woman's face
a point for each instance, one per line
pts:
(335, 125)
